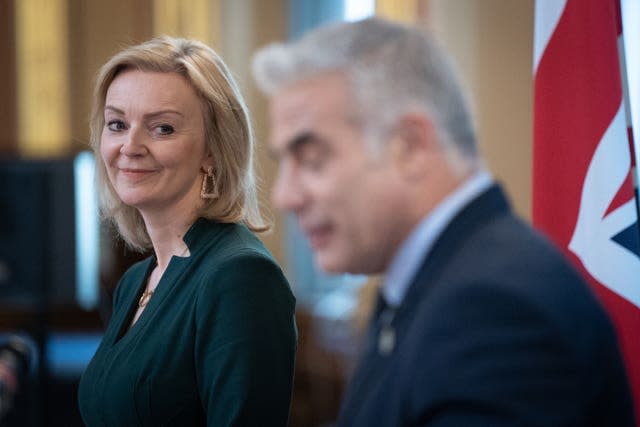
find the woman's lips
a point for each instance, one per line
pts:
(135, 173)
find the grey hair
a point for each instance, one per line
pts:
(228, 133)
(393, 69)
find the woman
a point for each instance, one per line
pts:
(202, 331)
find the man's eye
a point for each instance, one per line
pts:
(165, 129)
(313, 160)
(115, 125)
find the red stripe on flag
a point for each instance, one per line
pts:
(618, 17)
(632, 149)
(624, 195)
(578, 66)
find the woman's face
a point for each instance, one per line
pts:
(153, 144)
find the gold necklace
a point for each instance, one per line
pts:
(144, 298)
(147, 294)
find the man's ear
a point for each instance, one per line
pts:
(414, 145)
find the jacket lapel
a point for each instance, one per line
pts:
(485, 207)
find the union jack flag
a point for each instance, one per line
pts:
(584, 168)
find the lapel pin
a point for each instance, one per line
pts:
(386, 340)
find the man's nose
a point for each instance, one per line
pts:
(287, 194)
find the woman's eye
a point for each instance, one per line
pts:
(165, 129)
(115, 125)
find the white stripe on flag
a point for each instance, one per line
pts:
(609, 263)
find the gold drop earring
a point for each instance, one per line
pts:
(208, 190)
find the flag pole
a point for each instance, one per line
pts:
(622, 59)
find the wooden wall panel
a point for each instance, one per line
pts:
(42, 89)
(8, 106)
(98, 29)
(492, 43)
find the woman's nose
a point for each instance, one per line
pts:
(133, 144)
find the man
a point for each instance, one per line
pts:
(482, 322)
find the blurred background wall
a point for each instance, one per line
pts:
(50, 51)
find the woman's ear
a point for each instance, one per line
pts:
(207, 163)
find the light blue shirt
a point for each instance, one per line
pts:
(415, 248)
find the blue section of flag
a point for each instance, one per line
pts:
(629, 238)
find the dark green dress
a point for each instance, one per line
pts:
(214, 346)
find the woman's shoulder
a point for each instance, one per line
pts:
(241, 260)
(229, 241)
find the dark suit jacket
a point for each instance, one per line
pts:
(495, 330)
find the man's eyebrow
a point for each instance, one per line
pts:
(295, 144)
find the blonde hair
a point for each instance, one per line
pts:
(228, 133)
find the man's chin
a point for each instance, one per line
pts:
(335, 264)
(330, 264)
(343, 264)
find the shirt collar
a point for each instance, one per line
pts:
(414, 249)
